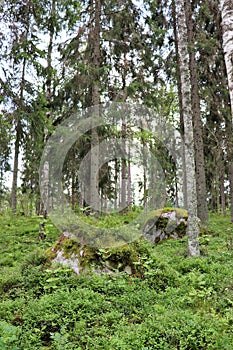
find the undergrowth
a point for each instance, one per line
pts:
(177, 303)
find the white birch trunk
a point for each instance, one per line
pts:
(193, 227)
(226, 8)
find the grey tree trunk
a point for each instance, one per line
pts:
(193, 227)
(44, 196)
(202, 210)
(226, 9)
(13, 201)
(123, 169)
(94, 170)
(129, 192)
(178, 77)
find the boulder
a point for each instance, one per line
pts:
(165, 223)
(155, 226)
(83, 259)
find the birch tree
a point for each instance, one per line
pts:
(193, 228)
(226, 9)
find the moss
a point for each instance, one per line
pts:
(161, 223)
(181, 229)
(51, 254)
(156, 214)
(92, 258)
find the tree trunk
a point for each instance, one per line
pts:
(226, 8)
(202, 211)
(45, 189)
(178, 77)
(13, 202)
(123, 169)
(193, 228)
(222, 193)
(44, 196)
(116, 170)
(129, 199)
(94, 182)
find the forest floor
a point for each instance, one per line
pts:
(176, 303)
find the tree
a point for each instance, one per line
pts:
(226, 8)
(202, 210)
(193, 229)
(94, 166)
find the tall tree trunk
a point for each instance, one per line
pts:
(178, 77)
(129, 199)
(123, 169)
(222, 192)
(123, 130)
(202, 210)
(193, 228)
(226, 8)
(13, 201)
(116, 170)
(44, 205)
(94, 183)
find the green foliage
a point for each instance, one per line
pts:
(174, 303)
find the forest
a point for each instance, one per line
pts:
(113, 116)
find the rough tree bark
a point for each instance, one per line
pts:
(124, 132)
(18, 136)
(226, 9)
(94, 183)
(184, 184)
(202, 210)
(193, 227)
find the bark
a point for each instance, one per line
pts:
(226, 9)
(222, 194)
(123, 129)
(229, 146)
(202, 210)
(193, 228)
(94, 183)
(129, 194)
(123, 170)
(45, 189)
(144, 163)
(178, 77)
(44, 205)
(49, 55)
(116, 169)
(13, 201)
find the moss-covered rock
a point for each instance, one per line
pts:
(83, 259)
(165, 223)
(155, 227)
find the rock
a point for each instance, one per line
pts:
(83, 259)
(165, 223)
(156, 226)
